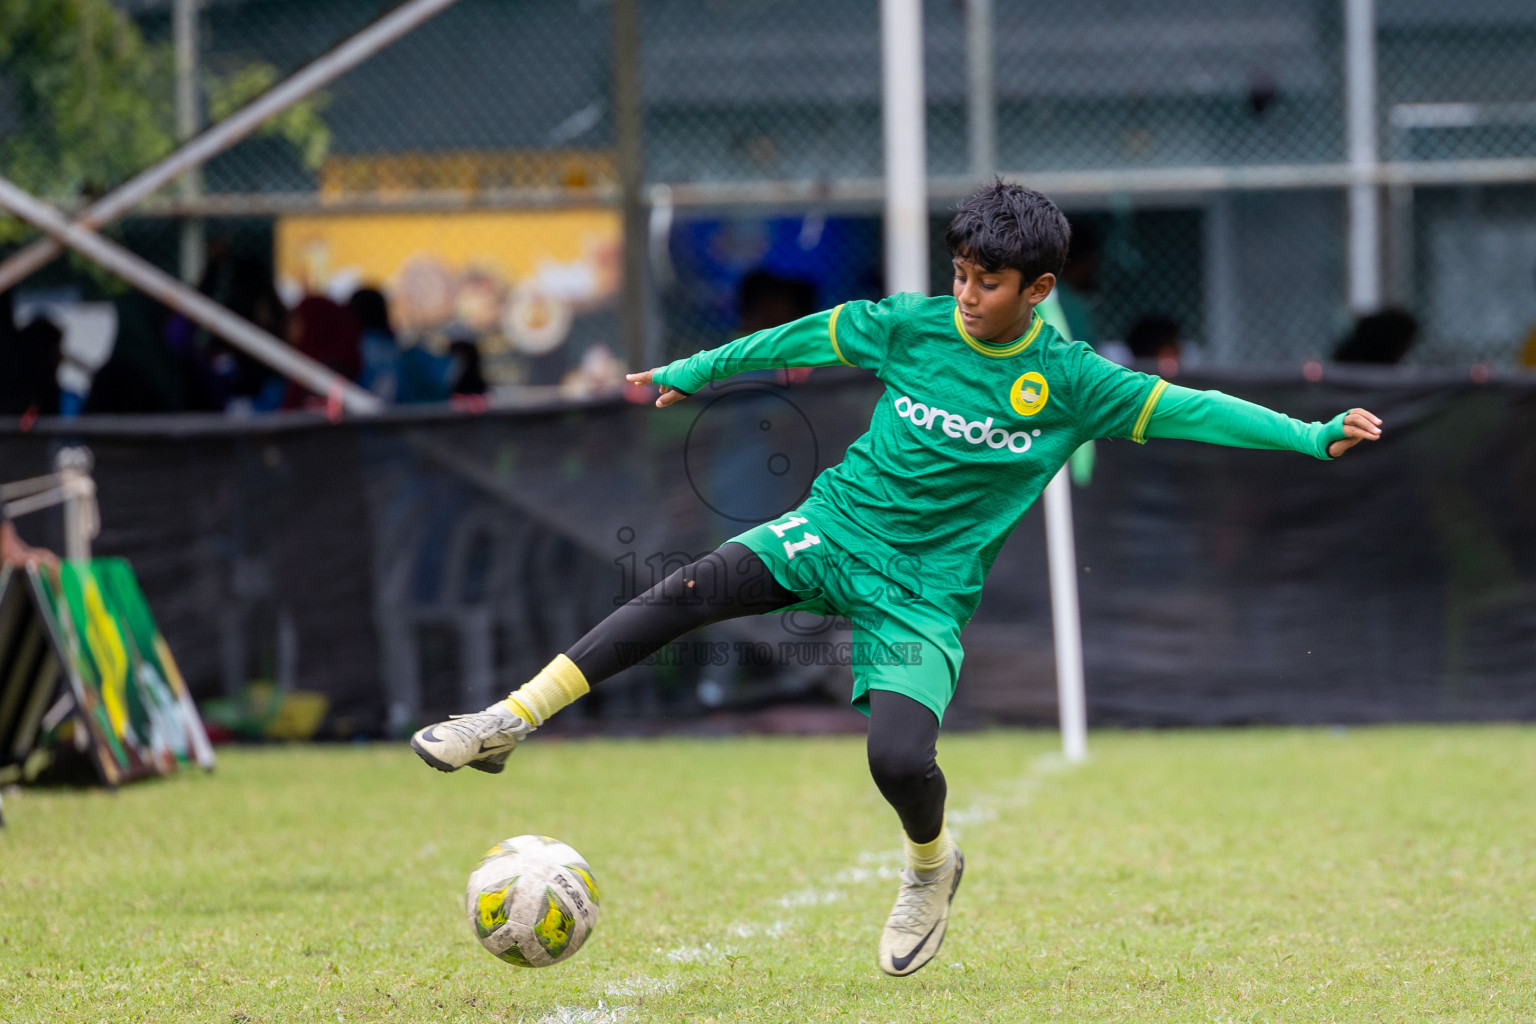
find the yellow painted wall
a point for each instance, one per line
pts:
(313, 247)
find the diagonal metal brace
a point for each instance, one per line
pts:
(190, 303)
(218, 137)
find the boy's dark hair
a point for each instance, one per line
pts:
(1004, 225)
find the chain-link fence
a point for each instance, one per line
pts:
(1202, 147)
(477, 170)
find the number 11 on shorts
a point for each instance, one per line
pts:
(792, 546)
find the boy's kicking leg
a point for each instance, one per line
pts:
(729, 582)
(903, 739)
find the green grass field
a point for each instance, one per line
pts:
(1259, 875)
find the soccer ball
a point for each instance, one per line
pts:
(532, 901)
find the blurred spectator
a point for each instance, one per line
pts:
(1079, 281)
(327, 332)
(184, 340)
(245, 285)
(764, 300)
(29, 368)
(142, 374)
(467, 377)
(72, 370)
(1155, 336)
(9, 353)
(1383, 338)
(214, 375)
(407, 374)
(600, 374)
(424, 375)
(381, 350)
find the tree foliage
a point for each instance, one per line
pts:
(86, 101)
(300, 125)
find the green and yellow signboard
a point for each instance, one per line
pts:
(83, 665)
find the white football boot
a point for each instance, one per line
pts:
(483, 740)
(917, 922)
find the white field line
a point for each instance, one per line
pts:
(885, 865)
(705, 954)
(640, 985)
(749, 930)
(869, 866)
(602, 1014)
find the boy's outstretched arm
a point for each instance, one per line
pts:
(829, 338)
(1217, 418)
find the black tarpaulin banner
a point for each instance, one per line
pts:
(423, 563)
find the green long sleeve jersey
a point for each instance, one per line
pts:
(968, 432)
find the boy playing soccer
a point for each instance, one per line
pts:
(983, 403)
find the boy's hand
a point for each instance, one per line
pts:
(668, 395)
(1359, 425)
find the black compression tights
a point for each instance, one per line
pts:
(727, 583)
(732, 581)
(903, 742)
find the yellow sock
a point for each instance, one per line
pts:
(557, 684)
(932, 855)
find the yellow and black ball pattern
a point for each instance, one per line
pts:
(532, 901)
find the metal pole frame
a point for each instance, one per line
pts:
(629, 122)
(219, 137)
(1066, 617)
(981, 100)
(184, 18)
(82, 522)
(1061, 561)
(1360, 88)
(906, 157)
(193, 304)
(1172, 186)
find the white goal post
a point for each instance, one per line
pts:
(906, 263)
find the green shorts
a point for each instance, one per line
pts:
(900, 641)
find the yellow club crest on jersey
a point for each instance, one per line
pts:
(1029, 394)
